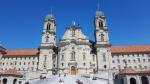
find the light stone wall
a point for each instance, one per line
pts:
(136, 61)
(104, 58)
(82, 61)
(137, 77)
(20, 63)
(45, 61)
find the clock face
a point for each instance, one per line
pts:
(47, 33)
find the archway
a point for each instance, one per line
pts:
(73, 70)
(144, 80)
(122, 81)
(4, 81)
(132, 81)
(15, 80)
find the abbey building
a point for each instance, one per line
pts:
(74, 54)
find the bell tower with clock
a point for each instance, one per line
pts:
(48, 43)
(49, 31)
(102, 45)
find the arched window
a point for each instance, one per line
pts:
(4, 81)
(48, 26)
(84, 64)
(62, 58)
(62, 64)
(73, 56)
(47, 38)
(100, 24)
(45, 57)
(122, 81)
(132, 81)
(144, 80)
(15, 80)
(84, 57)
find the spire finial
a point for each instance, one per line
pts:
(73, 22)
(51, 10)
(98, 5)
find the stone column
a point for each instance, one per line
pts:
(148, 79)
(138, 79)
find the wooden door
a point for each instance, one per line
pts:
(73, 70)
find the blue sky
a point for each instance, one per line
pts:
(21, 21)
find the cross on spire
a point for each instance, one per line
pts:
(98, 5)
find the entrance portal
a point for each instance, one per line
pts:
(144, 80)
(4, 81)
(15, 80)
(132, 81)
(73, 70)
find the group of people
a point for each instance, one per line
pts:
(41, 77)
(79, 82)
(61, 80)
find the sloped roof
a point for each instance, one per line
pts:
(22, 52)
(114, 49)
(10, 72)
(129, 71)
(74, 32)
(130, 48)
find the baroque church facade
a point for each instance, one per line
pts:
(74, 54)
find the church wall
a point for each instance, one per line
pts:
(82, 57)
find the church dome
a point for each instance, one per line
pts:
(49, 17)
(99, 13)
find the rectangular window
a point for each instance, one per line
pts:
(148, 60)
(62, 58)
(104, 57)
(118, 60)
(33, 63)
(93, 57)
(45, 57)
(135, 67)
(138, 59)
(119, 67)
(134, 60)
(84, 58)
(143, 60)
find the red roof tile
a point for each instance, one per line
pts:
(129, 71)
(114, 49)
(22, 52)
(10, 72)
(130, 48)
